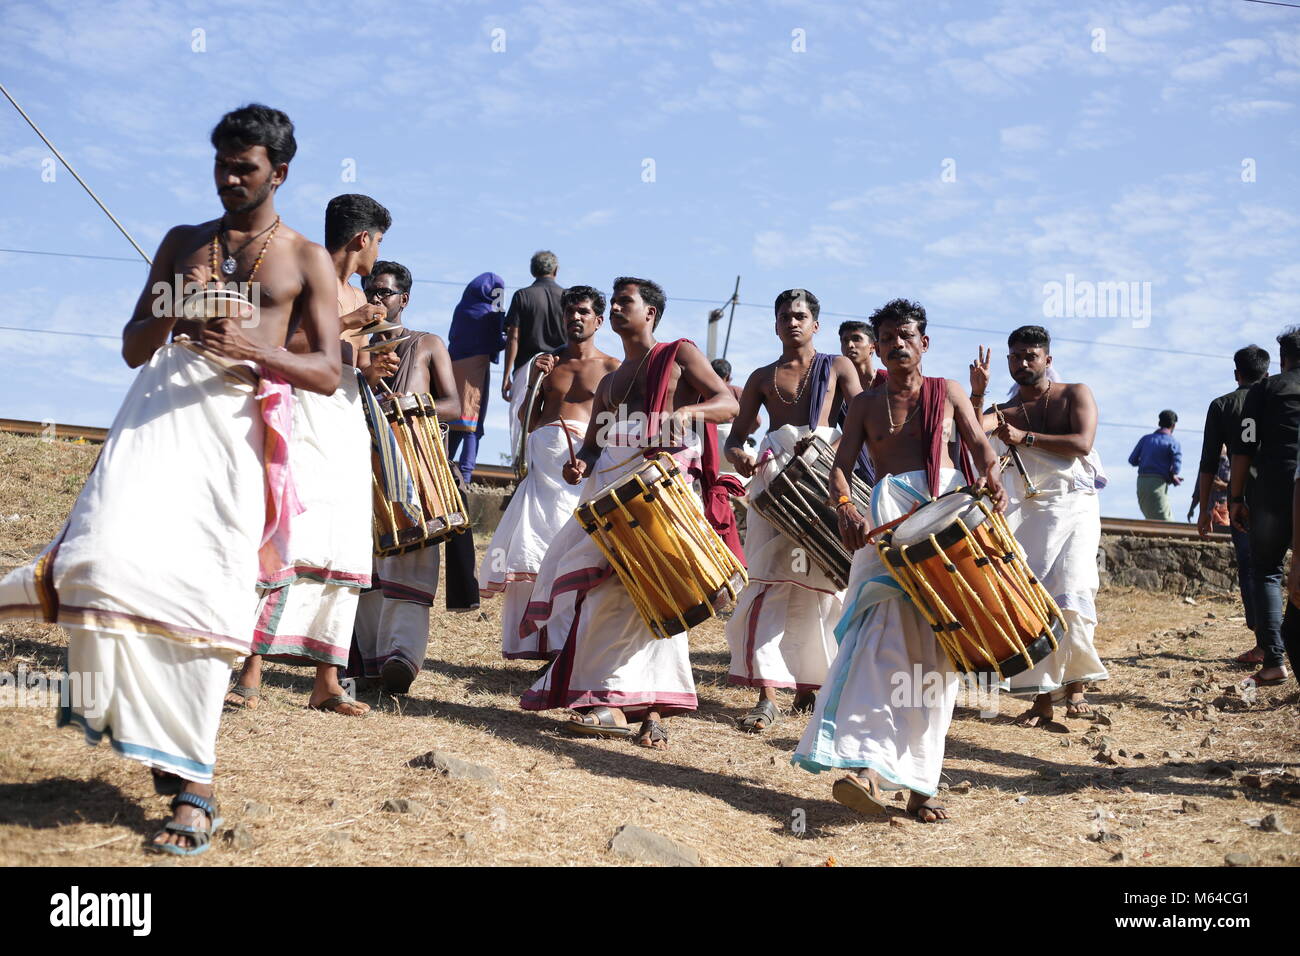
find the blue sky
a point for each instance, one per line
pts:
(962, 154)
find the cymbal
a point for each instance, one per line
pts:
(379, 325)
(384, 345)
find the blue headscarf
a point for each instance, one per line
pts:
(478, 323)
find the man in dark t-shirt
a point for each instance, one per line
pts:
(1222, 422)
(1263, 479)
(535, 322)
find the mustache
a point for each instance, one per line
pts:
(899, 353)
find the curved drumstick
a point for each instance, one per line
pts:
(573, 457)
(1014, 454)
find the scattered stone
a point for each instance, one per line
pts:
(794, 860)
(468, 838)
(1106, 757)
(962, 787)
(1218, 770)
(1139, 756)
(256, 811)
(1271, 824)
(1022, 800)
(482, 615)
(1063, 742)
(645, 846)
(401, 805)
(1252, 780)
(1190, 600)
(1198, 671)
(239, 837)
(1121, 752)
(897, 822)
(1105, 836)
(1237, 859)
(1211, 615)
(1225, 702)
(1170, 754)
(1190, 806)
(1207, 741)
(1119, 857)
(1102, 718)
(332, 804)
(1165, 674)
(338, 837)
(454, 767)
(899, 796)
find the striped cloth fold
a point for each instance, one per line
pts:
(394, 477)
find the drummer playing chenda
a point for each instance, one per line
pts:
(781, 634)
(892, 687)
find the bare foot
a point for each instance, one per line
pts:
(1037, 716)
(925, 809)
(328, 694)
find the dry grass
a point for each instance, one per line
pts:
(320, 779)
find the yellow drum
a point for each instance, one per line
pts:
(965, 572)
(651, 527)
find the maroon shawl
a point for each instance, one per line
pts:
(934, 395)
(716, 490)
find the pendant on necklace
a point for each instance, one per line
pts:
(229, 266)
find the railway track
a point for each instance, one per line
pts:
(499, 475)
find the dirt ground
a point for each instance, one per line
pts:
(1174, 779)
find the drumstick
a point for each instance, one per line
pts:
(573, 458)
(1014, 453)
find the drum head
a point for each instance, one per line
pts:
(939, 514)
(213, 303)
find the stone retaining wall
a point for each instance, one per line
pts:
(1168, 565)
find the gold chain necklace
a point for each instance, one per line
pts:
(893, 429)
(803, 383)
(631, 384)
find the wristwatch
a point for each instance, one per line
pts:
(1029, 438)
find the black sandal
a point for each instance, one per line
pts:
(202, 836)
(597, 722)
(764, 710)
(652, 732)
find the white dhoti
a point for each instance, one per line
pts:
(393, 618)
(782, 632)
(542, 503)
(1060, 532)
(309, 605)
(154, 574)
(888, 699)
(608, 656)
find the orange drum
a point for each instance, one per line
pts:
(651, 527)
(959, 563)
(441, 511)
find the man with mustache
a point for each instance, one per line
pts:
(544, 501)
(858, 345)
(1052, 426)
(309, 603)
(782, 630)
(874, 722)
(611, 668)
(154, 574)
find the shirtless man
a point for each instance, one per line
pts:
(309, 605)
(891, 734)
(392, 628)
(1052, 426)
(611, 668)
(544, 501)
(781, 632)
(148, 608)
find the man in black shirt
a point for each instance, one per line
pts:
(1260, 498)
(535, 322)
(1222, 421)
